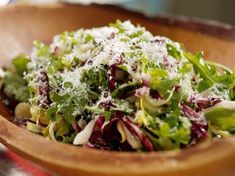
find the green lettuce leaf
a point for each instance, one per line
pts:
(20, 64)
(222, 115)
(15, 87)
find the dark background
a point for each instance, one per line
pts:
(219, 10)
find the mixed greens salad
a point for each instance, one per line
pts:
(120, 88)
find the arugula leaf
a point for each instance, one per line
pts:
(172, 51)
(88, 38)
(122, 105)
(203, 85)
(51, 113)
(66, 105)
(219, 66)
(167, 138)
(187, 67)
(201, 67)
(69, 38)
(169, 132)
(98, 111)
(117, 25)
(69, 138)
(124, 88)
(208, 71)
(136, 34)
(42, 49)
(95, 79)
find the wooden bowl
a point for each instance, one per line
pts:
(21, 24)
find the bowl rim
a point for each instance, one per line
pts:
(178, 160)
(220, 30)
(209, 27)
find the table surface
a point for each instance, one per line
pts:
(13, 165)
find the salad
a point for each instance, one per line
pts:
(119, 87)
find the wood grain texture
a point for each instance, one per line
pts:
(21, 24)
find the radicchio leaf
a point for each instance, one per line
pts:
(138, 133)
